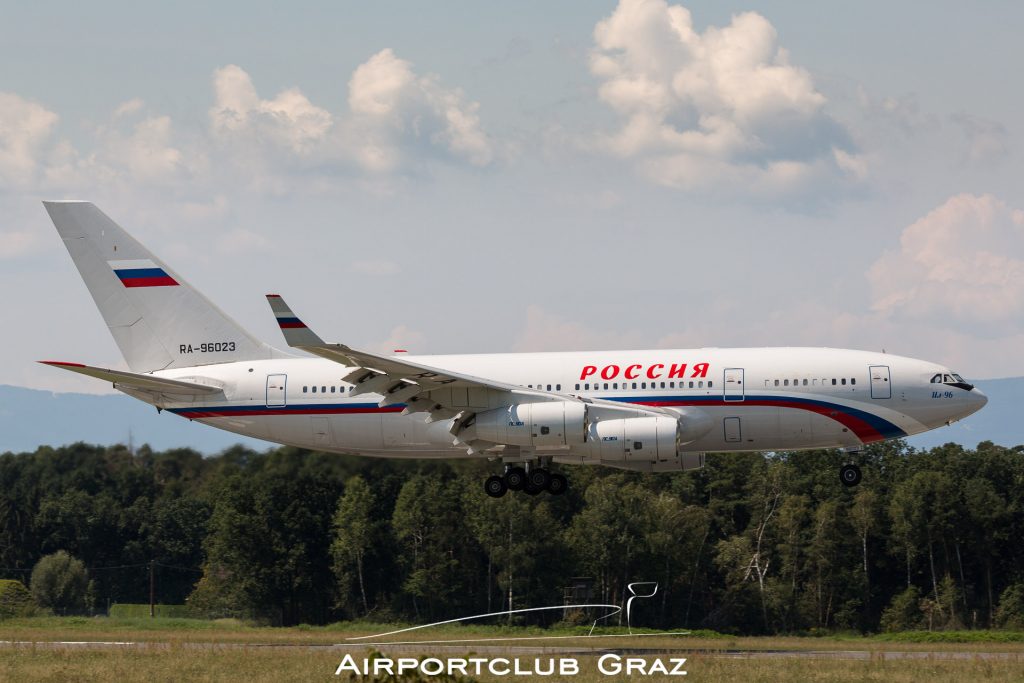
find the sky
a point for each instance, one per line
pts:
(485, 177)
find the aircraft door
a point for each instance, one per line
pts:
(321, 430)
(277, 391)
(731, 427)
(732, 387)
(881, 386)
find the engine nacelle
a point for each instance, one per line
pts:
(533, 425)
(634, 439)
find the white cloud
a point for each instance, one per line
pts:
(379, 84)
(289, 120)
(392, 108)
(129, 150)
(961, 265)
(398, 120)
(128, 108)
(853, 164)
(396, 117)
(718, 108)
(24, 128)
(147, 152)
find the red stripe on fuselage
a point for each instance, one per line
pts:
(286, 411)
(861, 429)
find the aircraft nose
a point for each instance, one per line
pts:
(976, 400)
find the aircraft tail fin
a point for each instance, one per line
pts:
(157, 319)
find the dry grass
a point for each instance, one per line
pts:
(161, 630)
(174, 650)
(179, 662)
(839, 671)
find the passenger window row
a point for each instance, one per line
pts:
(614, 386)
(324, 389)
(842, 381)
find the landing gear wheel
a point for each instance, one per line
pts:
(558, 484)
(539, 478)
(531, 490)
(850, 475)
(515, 478)
(495, 486)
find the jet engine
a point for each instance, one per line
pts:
(634, 438)
(533, 425)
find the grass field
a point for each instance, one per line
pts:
(184, 649)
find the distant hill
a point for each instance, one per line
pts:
(30, 418)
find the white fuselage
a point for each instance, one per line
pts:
(757, 399)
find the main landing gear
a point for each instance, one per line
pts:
(850, 475)
(530, 480)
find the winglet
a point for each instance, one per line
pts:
(295, 331)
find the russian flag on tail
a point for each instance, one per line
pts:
(142, 273)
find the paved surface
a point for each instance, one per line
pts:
(503, 650)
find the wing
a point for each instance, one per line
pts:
(138, 382)
(442, 394)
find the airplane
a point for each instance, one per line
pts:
(650, 411)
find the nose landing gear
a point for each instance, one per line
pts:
(850, 475)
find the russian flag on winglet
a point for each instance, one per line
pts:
(285, 318)
(142, 273)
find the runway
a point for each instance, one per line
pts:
(520, 651)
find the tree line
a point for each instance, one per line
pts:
(752, 543)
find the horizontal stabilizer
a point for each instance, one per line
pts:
(132, 380)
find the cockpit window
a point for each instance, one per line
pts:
(953, 380)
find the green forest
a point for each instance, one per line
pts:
(750, 544)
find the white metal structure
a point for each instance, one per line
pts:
(653, 411)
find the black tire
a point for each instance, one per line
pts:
(540, 478)
(495, 487)
(531, 490)
(515, 478)
(850, 475)
(558, 484)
